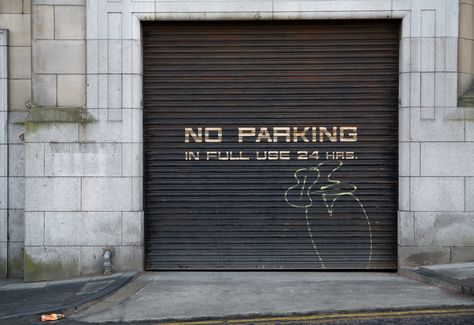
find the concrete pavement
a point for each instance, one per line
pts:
(204, 295)
(454, 277)
(220, 296)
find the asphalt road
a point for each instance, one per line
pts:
(436, 316)
(441, 316)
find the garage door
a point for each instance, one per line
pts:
(270, 145)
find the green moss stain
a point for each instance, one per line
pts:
(15, 266)
(31, 127)
(39, 116)
(426, 258)
(32, 270)
(3, 268)
(469, 113)
(59, 114)
(53, 270)
(468, 242)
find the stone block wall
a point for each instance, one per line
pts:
(58, 53)
(58, 90)
(436, 216)
(14, 18)
(82, 178)
(83, 168)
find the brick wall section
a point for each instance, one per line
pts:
(466, 45)
(15, 17)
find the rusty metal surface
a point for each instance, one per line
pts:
(299, 213)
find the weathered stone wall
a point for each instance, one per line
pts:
(437, 187)
(84, 172)
(14, 17)
(53, 189)
(59, 53)
(80, 179)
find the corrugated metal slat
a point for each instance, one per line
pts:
(271, 214)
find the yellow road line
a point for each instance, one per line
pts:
(425, 312)
(194, 322)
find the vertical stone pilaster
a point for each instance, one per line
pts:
(55, 158)
(3, 152)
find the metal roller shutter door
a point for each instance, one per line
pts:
(321, 96)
